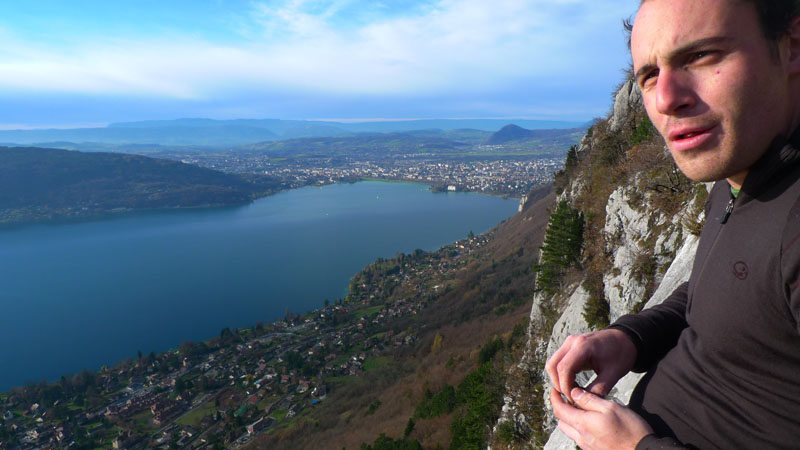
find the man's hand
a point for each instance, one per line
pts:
(610, 353)
(598, 424)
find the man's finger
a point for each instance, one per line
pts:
(563, 410)
(569, 430)
(571, 364)
(552, 365)
(566, 383)
(600, 386)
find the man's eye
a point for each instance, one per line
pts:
(648, 78)
(697, 56)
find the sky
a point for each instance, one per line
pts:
(90, 63)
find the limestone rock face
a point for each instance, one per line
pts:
(522, 203)
(678, 273)
(625, 229)
(571, 322)
(634, 230)
(628, 98)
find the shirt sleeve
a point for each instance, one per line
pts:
(653, 442)
(655, 330)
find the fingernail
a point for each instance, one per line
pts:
(576, 393)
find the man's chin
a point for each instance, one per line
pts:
(699, 176)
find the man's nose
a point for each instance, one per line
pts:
(673, 92)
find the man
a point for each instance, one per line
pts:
(720, 81)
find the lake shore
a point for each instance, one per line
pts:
(207, 268)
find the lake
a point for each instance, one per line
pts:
(82, 295)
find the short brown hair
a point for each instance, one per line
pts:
(775, 17)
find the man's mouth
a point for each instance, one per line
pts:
(689, 135)
(690, 138)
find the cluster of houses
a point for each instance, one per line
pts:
(510, 177)
(513, 177)
(43, 433)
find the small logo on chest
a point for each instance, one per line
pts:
(740, 270)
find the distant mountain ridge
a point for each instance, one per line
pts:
(375, 145)
(509, 133)
(39, 184)
(514, 133)
(280, 126)
(209, 132)
(423, 143)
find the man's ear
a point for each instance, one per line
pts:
(794, 46)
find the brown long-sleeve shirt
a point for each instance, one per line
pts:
(723, 352)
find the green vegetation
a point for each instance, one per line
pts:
(475, 403)
(444, 402)
(643, 132)
(409, 428)
(294, 361)
(691, 218)
(377, 362)
(339, 379)
(280, 414)
(506, 432)
(572, 159)
(193, 418)
(481, 396)
(562, 247)
(368, 312)
(489, 350)
(596, 310)
(142, 422)
(373, 407)
(387, 443)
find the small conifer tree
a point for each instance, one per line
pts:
(561, 248)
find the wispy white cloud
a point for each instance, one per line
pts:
(297, 19)
(306, 45)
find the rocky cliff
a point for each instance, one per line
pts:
(640, 218)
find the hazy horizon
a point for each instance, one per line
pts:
(94, 63)
(510, 120)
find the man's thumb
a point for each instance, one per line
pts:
(584, 400)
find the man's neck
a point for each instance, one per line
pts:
(737, 180)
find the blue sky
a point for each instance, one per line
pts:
(85, 62)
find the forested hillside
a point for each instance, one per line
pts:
(39, 184)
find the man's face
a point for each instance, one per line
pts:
(710, 84)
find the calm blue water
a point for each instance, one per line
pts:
(77, 296)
